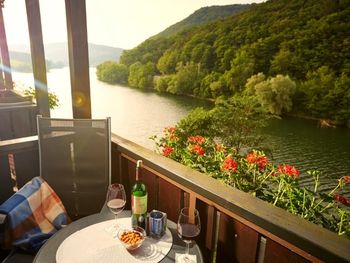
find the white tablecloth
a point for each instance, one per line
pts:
(95, 244)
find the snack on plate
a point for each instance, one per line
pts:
(132, 238)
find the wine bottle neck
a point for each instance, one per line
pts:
(138, 174)
(138, 170)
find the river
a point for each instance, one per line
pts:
(137, 115)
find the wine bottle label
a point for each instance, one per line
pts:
(139, 204)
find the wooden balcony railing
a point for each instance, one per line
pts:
(236, 227)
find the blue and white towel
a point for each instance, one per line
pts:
(34, 214)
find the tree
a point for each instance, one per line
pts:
(275, 94)
(167, 63)
(204, 90)
(342, 94)
(237, 122)
(242, 67)
(188, 78)
(315, 88)
(54, 101)
(326, 95)
(112, 72)
(161, 83)
(141, 75)
(252, 82)
(204, 55)
(198, 122)
(234, 122)
(287, 63)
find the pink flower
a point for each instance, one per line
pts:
(289, 170)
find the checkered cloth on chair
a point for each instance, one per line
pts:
(34, 213)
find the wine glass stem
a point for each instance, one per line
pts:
(187, 248)
(116, 220)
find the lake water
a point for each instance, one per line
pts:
(137, 115)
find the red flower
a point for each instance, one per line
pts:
(196, 139)
(169, 129)
(172, 136)
(259, 160)
(197, 150)
(167, 151)
(229, 164)
(289, 170)
(346, 179)
(342, 199)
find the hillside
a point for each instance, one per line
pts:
(22, 62)
(305, 43)
(203, 16)
(97, 53)
(57, 54)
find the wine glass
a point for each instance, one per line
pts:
(188, 227)
(115, 200)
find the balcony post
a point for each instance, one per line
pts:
(2, 82)
(38, 56)
(78, 58)
(5, 57)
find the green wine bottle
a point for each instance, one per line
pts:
(139, 199)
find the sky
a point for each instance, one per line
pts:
(116, 23)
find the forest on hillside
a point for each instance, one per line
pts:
(291, 55)
(203, 16)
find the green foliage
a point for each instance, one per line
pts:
(285, 62)
(278, 37)
(21, 66)
(148, 51)
(188, 78)
(167, 63)
(163, 83)
(54, 101)
(198, 121)
(252, 82)
(112, 72)
(208, 88)
(255, 174)
(203, 16)
(234, 122)
(326, 95)
(141, 75)
(275, 94)
(238, 120)
(242, 67)
(22, 62)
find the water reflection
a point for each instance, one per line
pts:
(304, 144)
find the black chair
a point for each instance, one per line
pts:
(75, 160)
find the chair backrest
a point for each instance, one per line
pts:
(75, 159)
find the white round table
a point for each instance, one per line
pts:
(47, 253)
